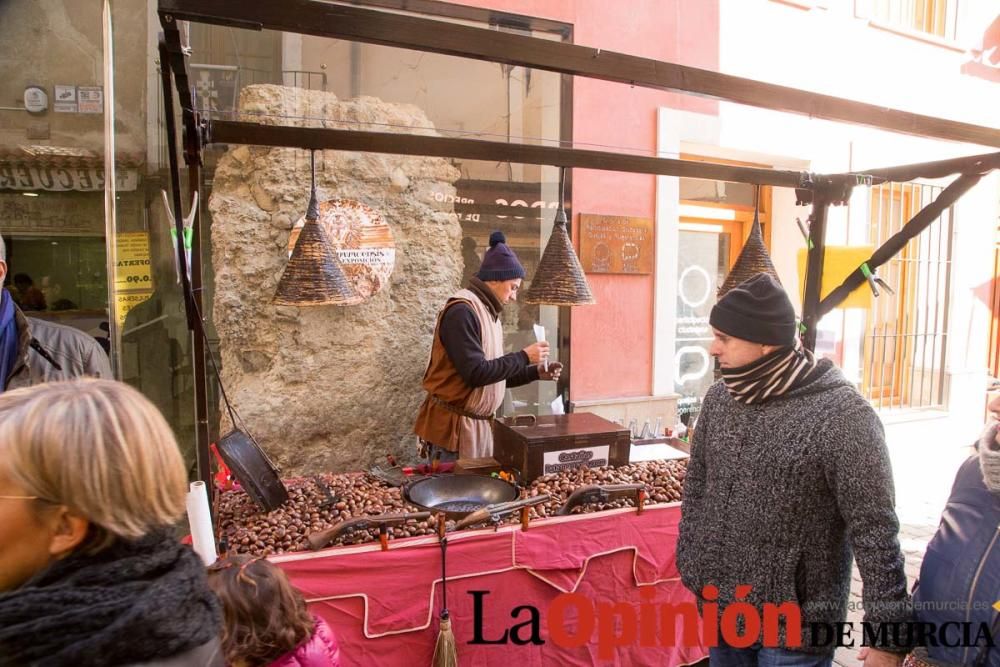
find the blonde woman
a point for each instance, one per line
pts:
(91, 572)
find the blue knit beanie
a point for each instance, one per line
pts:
(499, 263)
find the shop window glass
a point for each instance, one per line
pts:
(703, 258)
(52, 214)
(510, 103)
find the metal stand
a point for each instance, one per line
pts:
(171, 54)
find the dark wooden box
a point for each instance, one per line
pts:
(556, 442)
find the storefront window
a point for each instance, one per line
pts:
(510, 103)
(106, 265)
(52, 214)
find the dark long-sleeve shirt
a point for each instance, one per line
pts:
(462, 339)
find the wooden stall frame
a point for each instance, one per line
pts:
(359, 24)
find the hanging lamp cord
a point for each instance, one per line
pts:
(562, 193)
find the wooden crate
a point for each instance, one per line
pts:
(557, 442)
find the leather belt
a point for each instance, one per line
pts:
(460, 411)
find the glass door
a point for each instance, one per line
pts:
(705, 253)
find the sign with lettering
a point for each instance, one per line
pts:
(126, 301)
(363, 240)
(65, 99)
(27, 176)
(494, 203)
(616, 244)
(66, 214)
(91, 99)
(569, 459)
(133, 267)
(133, 272)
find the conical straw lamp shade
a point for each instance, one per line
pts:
(753, 259)
(314, 275)
(559, 279)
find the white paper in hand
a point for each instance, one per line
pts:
(540, 337)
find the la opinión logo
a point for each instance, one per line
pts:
(573, 620)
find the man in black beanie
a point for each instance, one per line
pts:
(789, 477)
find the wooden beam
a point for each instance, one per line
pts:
(315, 138)
(814, 271)
(312, 17)
(973, 164)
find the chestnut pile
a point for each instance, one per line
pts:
(246, 529)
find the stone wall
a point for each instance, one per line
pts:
(328, 388)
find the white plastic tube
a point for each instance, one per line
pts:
(200, 519)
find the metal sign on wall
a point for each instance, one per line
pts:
(616, 244)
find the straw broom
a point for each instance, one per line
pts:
(445, 650)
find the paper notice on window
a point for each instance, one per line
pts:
(540, 337)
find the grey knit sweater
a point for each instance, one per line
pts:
(779, 495)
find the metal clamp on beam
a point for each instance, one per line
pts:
(874, 281)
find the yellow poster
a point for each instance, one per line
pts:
(838, 263)
(125, 302)
(133, 273)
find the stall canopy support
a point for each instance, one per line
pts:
(312, 17)
(318, 138)
(172, 66)
(898, 241)
(814, 269)
(371, 26)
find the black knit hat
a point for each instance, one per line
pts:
(499, 263)
(757, 310)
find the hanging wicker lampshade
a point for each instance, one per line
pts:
(314, 275)
(754, 257)
(559, 279)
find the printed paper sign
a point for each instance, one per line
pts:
(569, 459)
(65, 101)
(91, 99)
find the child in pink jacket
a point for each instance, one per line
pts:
(265, 621)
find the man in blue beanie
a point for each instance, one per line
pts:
(789, 477)
(468, 371)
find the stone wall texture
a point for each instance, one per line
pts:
(329, 388)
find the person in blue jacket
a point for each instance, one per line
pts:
(959, 582)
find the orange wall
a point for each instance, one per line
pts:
(611, 343)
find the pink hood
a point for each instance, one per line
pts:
(320, 650)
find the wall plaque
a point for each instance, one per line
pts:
(616, 244)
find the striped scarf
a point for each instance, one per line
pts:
(772, 375)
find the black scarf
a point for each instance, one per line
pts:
(486, 295)
(132, 602)
(772, 375)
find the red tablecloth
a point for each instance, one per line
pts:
(384, 605)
